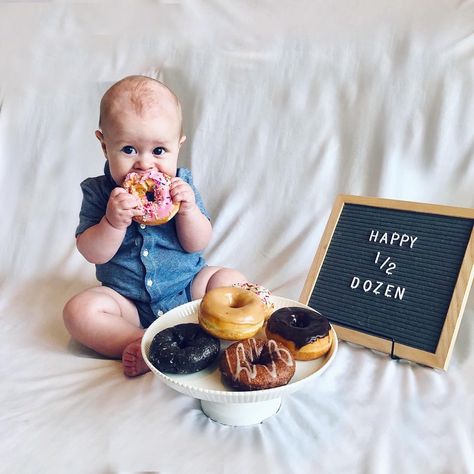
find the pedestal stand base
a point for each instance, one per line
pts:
(240, 414)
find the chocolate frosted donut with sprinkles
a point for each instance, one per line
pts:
(256, 364)
(306, 333)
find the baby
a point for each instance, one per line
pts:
(144, 270)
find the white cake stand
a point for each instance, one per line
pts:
(219, 402)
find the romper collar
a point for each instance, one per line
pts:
(108, 175)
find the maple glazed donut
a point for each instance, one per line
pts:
(256, 364)
(306, 333)
(183, 349)
(262, 293)
(153, 190)
(231, 313)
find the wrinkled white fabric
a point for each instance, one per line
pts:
(286, 105)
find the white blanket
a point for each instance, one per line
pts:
(286, 104)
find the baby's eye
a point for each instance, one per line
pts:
(159, 150)
(129, 150)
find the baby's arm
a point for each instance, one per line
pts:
(99, 243)
(193, 227)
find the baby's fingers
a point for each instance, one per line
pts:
(117, 192)
(182, 190)
(129, 201)
(136, 212)
(125, 200)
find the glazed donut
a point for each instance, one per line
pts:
(183, 349)
(153, 190)
(256, 364)
(262, 293)
(306, 333)
(231, 313)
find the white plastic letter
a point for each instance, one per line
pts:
(399, 292)
(376, 290)
(395, 237)
(355, 283)
(373, 235)
(390, 268)
(367, 285)
(405, 238)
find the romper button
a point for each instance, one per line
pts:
(145, 253)
(160, 313)
(142, 226)
(149, 282)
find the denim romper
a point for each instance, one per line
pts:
(150, 267)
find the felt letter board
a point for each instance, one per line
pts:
(394, 275)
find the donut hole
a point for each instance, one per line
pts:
(150, 196)
(261, 356)
(264, 358)
(299, 321)
(237, 303)
(183, 341)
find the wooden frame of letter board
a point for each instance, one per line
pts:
(439, 359)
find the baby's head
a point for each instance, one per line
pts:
(140, 127)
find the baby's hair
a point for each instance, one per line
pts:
(142, 92)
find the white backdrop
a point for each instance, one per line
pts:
(286, 104)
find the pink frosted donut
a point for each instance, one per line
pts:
(153, 190)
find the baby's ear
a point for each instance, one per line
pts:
(100, 137)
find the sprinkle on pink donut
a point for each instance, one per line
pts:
(260, 291)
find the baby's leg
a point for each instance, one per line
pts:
(214, 277)
(104, 320)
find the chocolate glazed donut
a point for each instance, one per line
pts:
(300, 325)
(183, 349)
(306, 333)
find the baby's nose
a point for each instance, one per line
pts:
(144, 163)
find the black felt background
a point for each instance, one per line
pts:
(428, 272)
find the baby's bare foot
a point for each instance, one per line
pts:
(132, 360)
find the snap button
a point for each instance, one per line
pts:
(149, 282)
(145, 253)
(160, 313)
(142, 226)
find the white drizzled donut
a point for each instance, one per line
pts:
(256, 364)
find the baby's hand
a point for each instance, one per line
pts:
(121, 208)
(181, 192)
